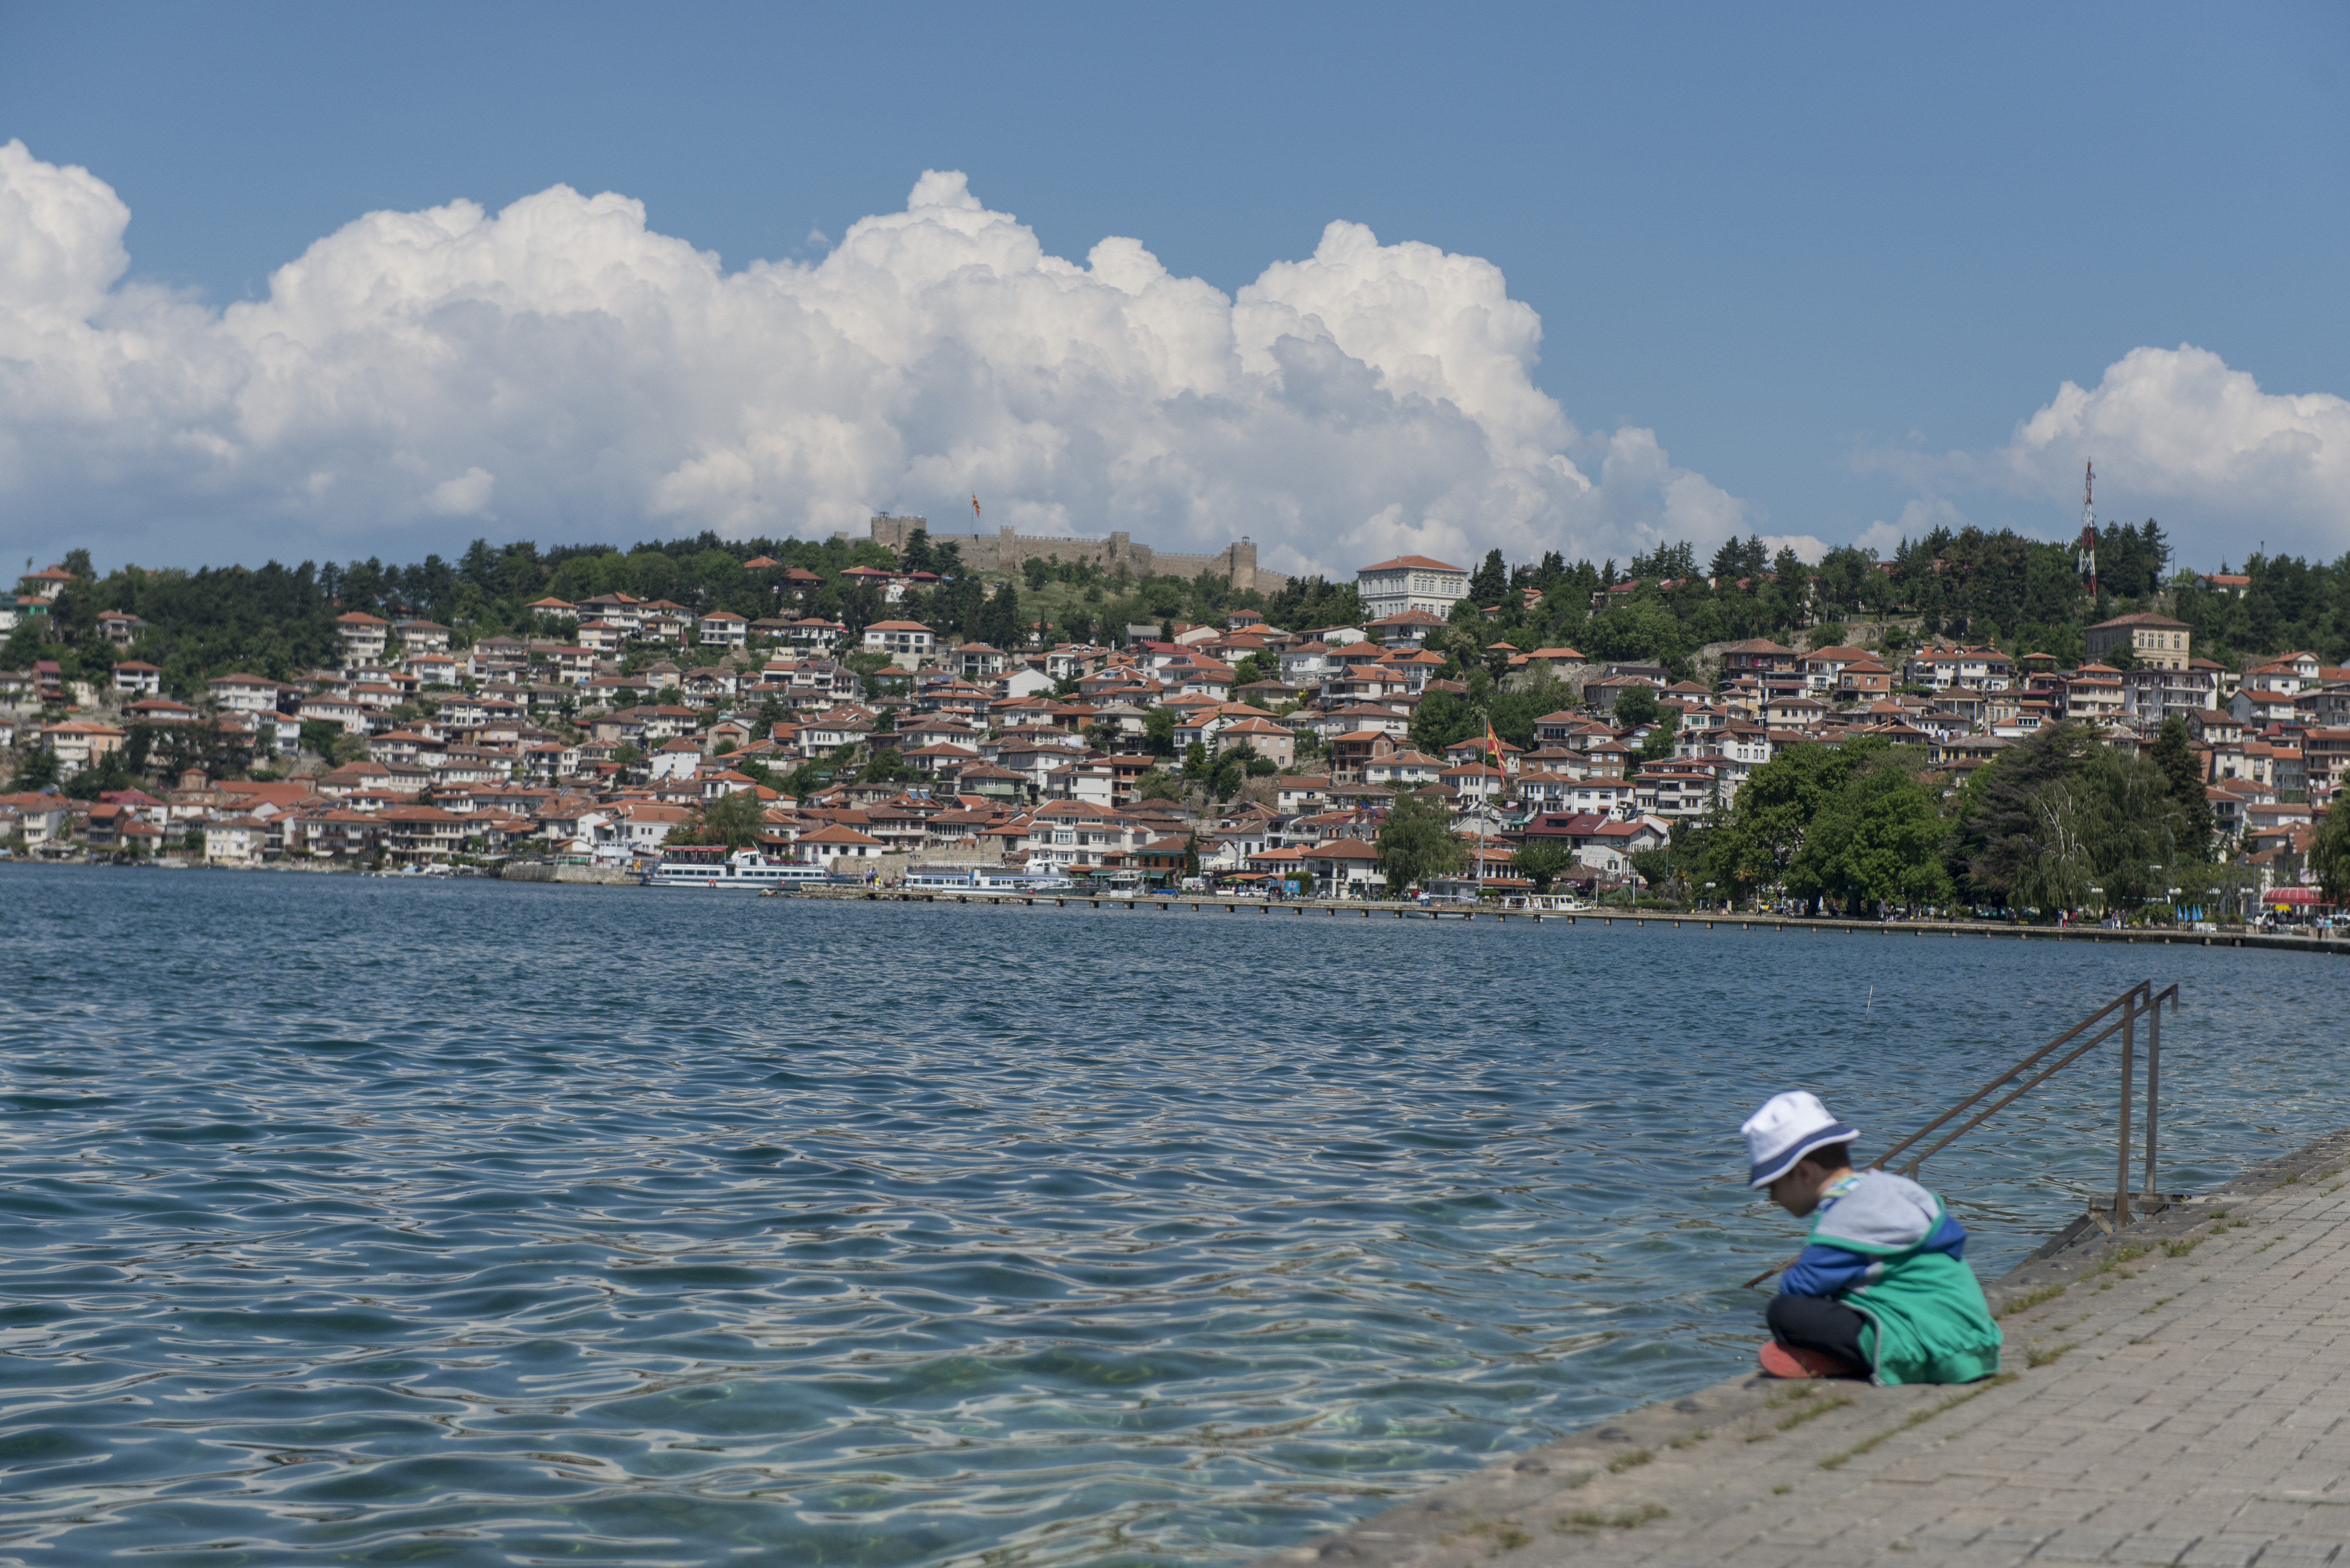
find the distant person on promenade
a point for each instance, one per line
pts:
(1882, 1289)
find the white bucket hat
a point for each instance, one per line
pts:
(1786, 1129)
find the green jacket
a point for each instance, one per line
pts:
(1883, 1245)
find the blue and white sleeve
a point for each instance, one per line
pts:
(1824, 1270)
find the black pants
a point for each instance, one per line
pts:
(1816, 1323)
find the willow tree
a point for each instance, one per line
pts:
(1417, 842)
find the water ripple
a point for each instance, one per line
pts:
(485, 1224)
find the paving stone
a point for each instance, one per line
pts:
(2298, 1554)
(2224, 1552)
(2080, 1545)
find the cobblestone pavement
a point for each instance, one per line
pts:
(2176, 1393)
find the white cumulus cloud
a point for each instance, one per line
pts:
(2175, 432)
(605, 380)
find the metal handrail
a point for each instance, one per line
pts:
(2140, 1000)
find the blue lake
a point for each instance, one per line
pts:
(454, 1222)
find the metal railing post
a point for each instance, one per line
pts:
(2153, 1089)
(2121, 1173)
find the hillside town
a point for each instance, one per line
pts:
(1241, 752)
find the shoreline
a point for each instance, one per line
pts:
(1367, 908)
(1209, 903)
(1477, 1508)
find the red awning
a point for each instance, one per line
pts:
(2293, 895)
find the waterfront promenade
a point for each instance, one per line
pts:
(2184, 1398)
(2321, 941)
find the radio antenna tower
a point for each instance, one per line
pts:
(2088, 545)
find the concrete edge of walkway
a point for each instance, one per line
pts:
(1478, 1505)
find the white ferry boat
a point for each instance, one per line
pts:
(985, 880)
(744, 868)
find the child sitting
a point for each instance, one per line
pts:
(1882, 1289)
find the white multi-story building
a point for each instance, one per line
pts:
(907, 642)
(1410, 583)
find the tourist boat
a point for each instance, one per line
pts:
(714, 867)
(985, 880)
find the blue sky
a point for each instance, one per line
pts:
(1829, 260)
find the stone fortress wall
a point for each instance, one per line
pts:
(1004, 551)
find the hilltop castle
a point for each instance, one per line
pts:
(1004, 551)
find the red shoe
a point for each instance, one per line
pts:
(1786, 1361)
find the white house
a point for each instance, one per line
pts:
(363, 635)
(840, 849)
(907, 642)
(1410, 583)
(245, 693)
(237, 841)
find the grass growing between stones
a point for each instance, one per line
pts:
(2029, 1300)
(1810, 1411)
(1585, 1520)
(1916, 1418)
(2114, 1257)
(1506, 1534)
(2046, 1355)
(1622, 1463)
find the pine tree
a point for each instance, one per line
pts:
(1491, 583)
(999, 624)
(2172, 755)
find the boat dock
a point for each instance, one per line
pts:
(2177, 1392)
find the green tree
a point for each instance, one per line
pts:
(1440, 720)
(2329, 853)
(916, 556)
(36, 768)
(1226, 775)
(2062, 811)
(1542, 861)
(734, 820)
(1877, 839)
(1196, 761)
(1756, 841)
(1490, 585)
(887, 767)
(1036, 573)
(2184, 779)
(1636, 706)
(2060, 869)
(1656, 746)
(1655, 867)
(999, 623)
(1158, 731)
(1157, 784)
(1417, 842)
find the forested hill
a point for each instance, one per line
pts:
(2019, 594)
(274, 619)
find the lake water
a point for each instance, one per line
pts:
(456, 1222)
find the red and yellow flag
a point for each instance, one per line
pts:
(1493, 744)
